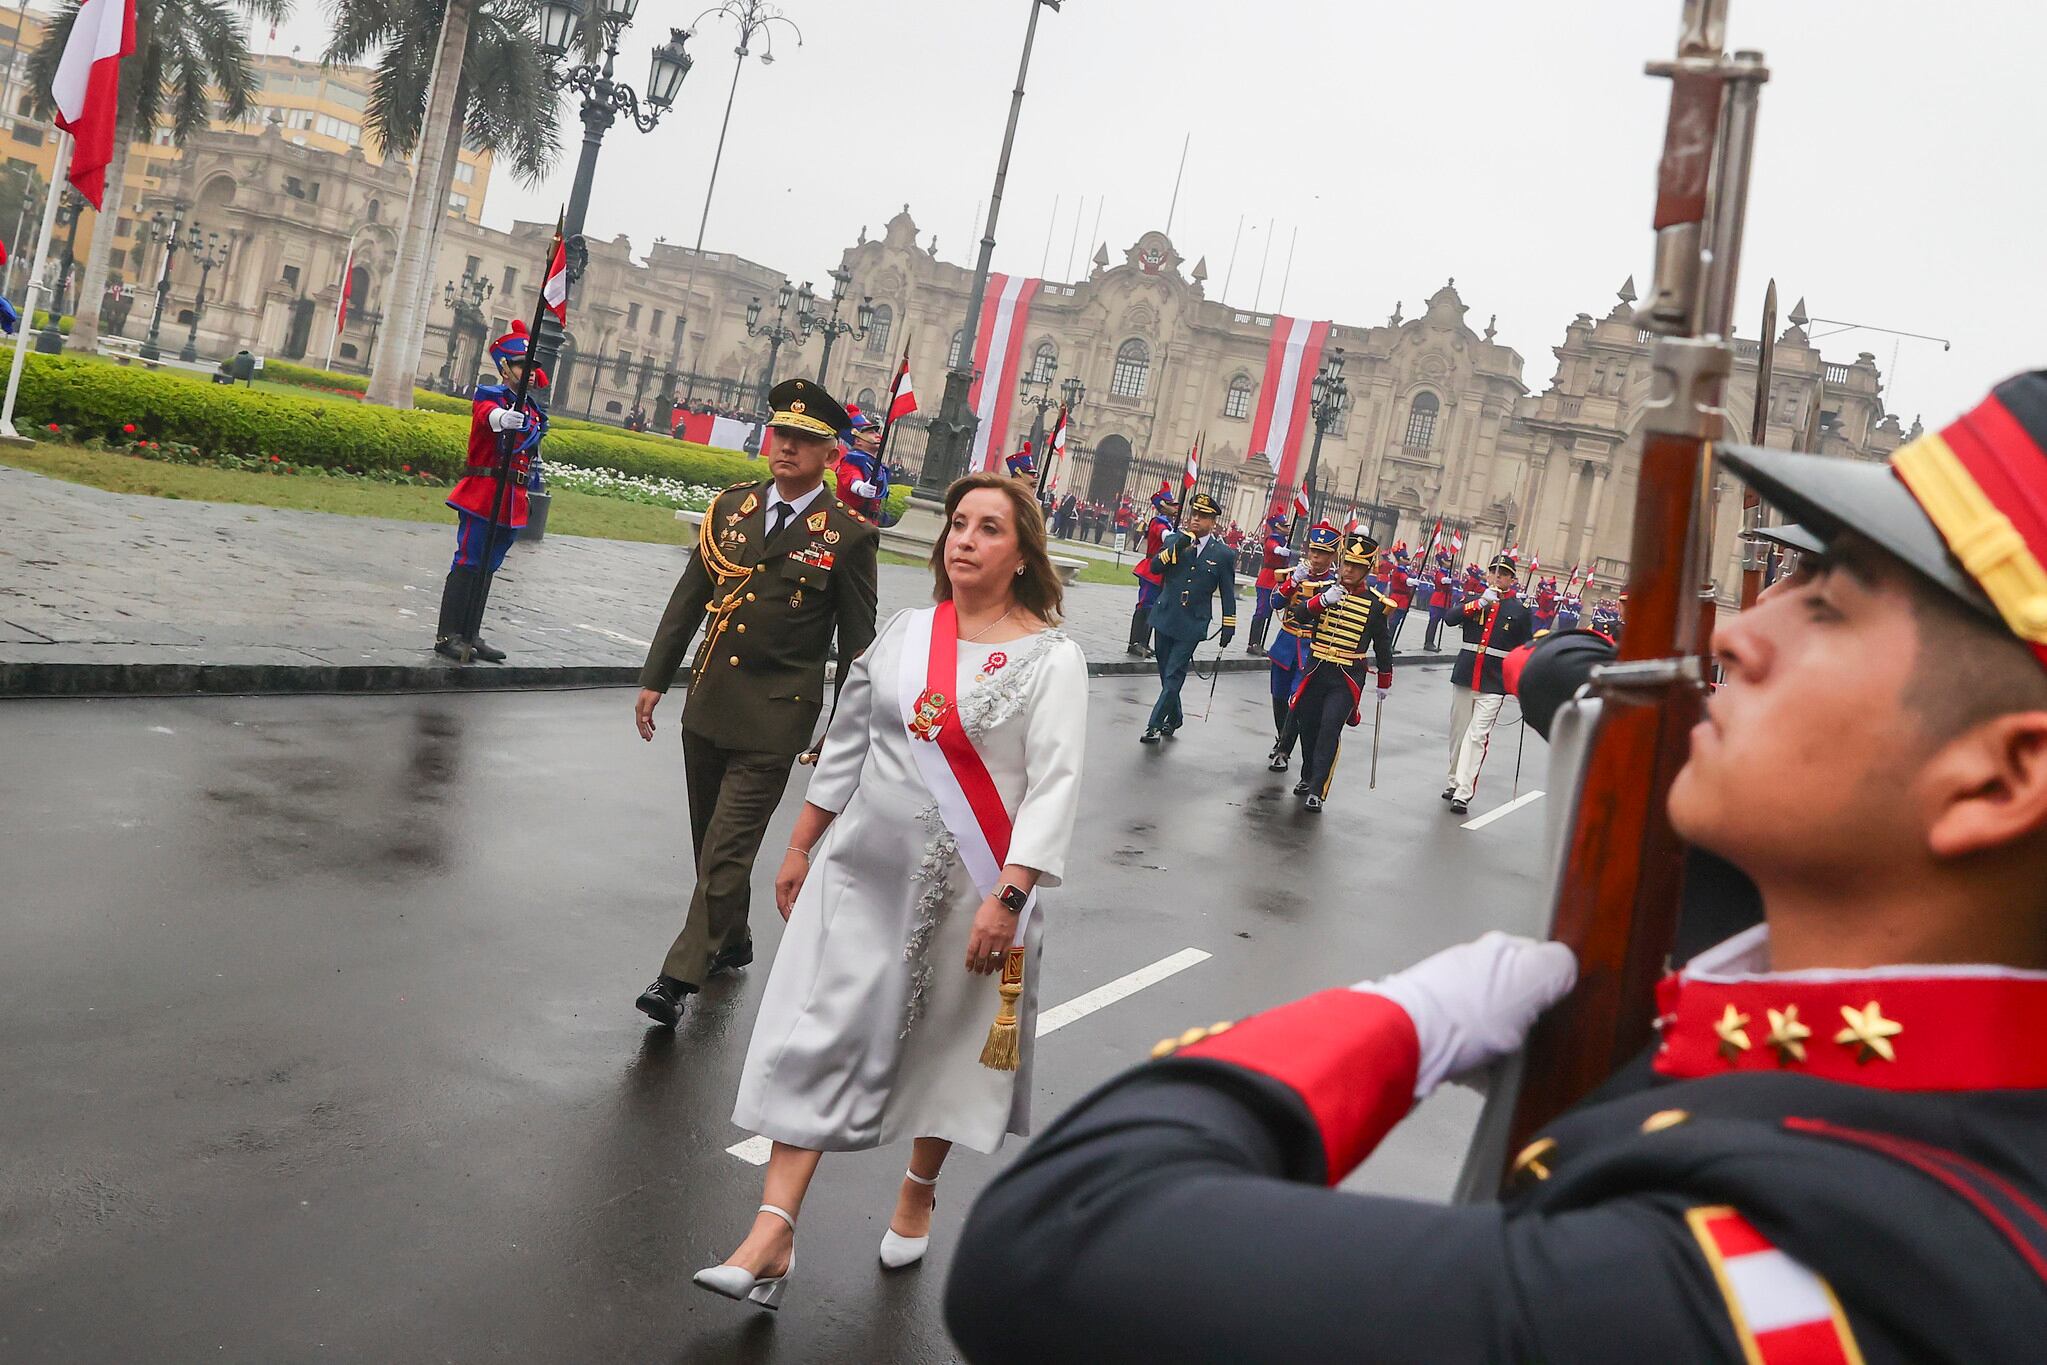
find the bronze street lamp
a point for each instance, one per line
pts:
(169, 234)
(465, 302)
(780, 330)
(1328, 395)
(212, 254)
(834, 327)
(50, 340)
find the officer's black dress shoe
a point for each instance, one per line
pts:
(1449, 793)
(662, 1001)
(1275, 762)
(732, 959)
(1135, 651)
(1313, 804)
(1301, 787)
(1458, 805)
(449, 649)
(1150, 736)
(487, 653)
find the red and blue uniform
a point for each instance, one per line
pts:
(475, 497)
(857, 466)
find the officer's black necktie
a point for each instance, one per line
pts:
(781, 512)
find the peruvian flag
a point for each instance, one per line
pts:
(1193, 474)
(554, 291)
(1300, 502)
(87, 87)
(1457, 542)
(902, 399)
(1055, 448)
(347, 283)
(1350, 521)
(1290, 364)
(997, 351)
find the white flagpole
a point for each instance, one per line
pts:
(35, 285)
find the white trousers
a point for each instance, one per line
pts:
(1472, 716)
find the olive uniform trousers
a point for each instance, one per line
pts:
(732, 795)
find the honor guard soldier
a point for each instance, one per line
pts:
(1022, 465)
(1496, 623)
(862, 478)
(1289, 655)
(1163, 509)
(779, 567)
(495, 420)
(1194, 568)
(1275, 556)
(1831, 1154)
(1353, 621)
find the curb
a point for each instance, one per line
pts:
(49, 680)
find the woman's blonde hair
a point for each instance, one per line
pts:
(1038, 589)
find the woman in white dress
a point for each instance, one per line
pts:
(902, 905)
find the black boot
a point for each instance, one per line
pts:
(1259, 625)
(662, 1001)
(454, 601)
(1140, 628)
(486, 652)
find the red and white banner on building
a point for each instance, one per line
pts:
(998, 350)
(1290, 364)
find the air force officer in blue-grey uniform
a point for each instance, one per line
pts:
(1195, 566)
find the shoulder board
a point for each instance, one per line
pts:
(837, 506)
(743, 483)
(491, 391)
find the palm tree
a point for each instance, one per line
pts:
(186, 52)
(469, 71)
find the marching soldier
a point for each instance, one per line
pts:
(495, 418)
(1163, 509)
(779, 566)
(1352, 618)
(1274, 558)
(1289, 655)
(1831, 1153)
(1496, 623)
(1194, 567)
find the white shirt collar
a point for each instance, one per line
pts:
(796, 508)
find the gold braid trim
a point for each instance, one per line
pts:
(729, 575)
(1979, 535)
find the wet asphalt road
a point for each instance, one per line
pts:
(317, 1039)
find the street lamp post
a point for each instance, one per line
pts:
(167, 233)
(834, 327)
(562, 24)
(1328, 395)
(211, 254)
(50, 340)
(952, 431)
(1033, 380)
(779, 331)
(464, 303)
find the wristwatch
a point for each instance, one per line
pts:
(1014, 897)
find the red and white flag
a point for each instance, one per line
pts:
(347, 284)
(902, 399)
(1193, 474)
(1291, 360)
(1350, 521)
(1457, 542)
(997, 353)
(86, 89)
(1300, 502)
(554, 291)
(1055, 449)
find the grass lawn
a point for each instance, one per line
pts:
(572, 514)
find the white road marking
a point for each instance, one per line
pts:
(754, 1151)
(1516, 804)
(614, 635)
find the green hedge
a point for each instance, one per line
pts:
(307, 376)
(42, 320)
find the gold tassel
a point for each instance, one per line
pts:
(1001, 1051)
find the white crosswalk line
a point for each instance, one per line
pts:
(1516, 804)
(754, 1150)
(614, 635)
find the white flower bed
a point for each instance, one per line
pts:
(609, 483)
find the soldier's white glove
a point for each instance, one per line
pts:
(507, 419)
(1284, 552)
(860, 488)
(1489, 595)
(1332, 594)
(1385, 692)
(1474, 1003)
(1298, 572)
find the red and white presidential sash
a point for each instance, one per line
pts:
(928, 691)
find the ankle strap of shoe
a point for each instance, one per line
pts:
(782, 1214)
(916, 1179)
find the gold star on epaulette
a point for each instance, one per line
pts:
(1733, 1031)
(1869, 1033)
(1787, 1035)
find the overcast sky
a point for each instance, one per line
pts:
(1898, 170)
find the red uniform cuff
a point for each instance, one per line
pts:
(1350, 1055)
(1385, 677)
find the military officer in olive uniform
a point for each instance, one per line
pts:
(1194, 566)
(780, 565)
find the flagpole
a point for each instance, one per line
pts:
(888, 421)
(507, 448)
(341, 308)
(35, 285)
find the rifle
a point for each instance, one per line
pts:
(1755, 554)
(1617, 897)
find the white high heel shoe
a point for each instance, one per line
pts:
(897, 1250)
(737, 1282)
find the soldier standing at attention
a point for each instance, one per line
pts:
(1496, 623)
(779, 566)
(1163, 509)
(1290, 648)
(1352, 620)
(1275, 557)
(861, 477)
(1833, 1150)
(1194, 566)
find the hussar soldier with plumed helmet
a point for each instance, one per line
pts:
(1315, 574)
(1352, 630)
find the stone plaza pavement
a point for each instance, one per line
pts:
(116, 593)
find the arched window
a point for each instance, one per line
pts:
(1237, 403)
(1045, 363)
(1132, 371)
(866, 401)
(1421, 421)
(374, 210)
(621, 366)
(952, 355)
(878, 330)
